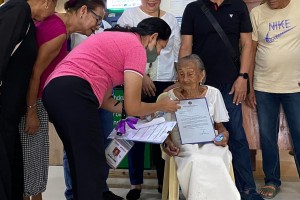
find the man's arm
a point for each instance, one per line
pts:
(186, 45)
(185, 50)
(239, 88)
(251, 100)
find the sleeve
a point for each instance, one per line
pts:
(245, 23)
(136, 60)
(49, 29)
(126, 19)
(220, 112)
(254, 26)
(14, 20)
(106, 24)
(177, 40)
(187, 25)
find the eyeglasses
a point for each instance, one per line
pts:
(97, 17)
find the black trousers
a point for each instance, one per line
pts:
(73, 109)
(12, 107)
(136, 154)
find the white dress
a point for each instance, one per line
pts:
(203, 169)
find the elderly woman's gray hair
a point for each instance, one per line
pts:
(191, 58)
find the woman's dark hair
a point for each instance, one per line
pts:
(73, 5)
(147, 26)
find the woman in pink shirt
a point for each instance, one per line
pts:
(83, 82)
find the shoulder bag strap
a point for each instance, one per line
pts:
(219, 30)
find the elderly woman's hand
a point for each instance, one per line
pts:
(224, 141)
(170, 148)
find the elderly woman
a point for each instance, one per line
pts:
(202, 169)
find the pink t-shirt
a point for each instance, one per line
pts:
(102, 60)
(47, 30)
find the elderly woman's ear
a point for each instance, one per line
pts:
(203, 77)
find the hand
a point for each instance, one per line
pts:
(168, 105)
(239, 89)
(175, 85)
(169, 147)
(148, 117)
(32, 122)
(251, 99)
(223, 142)
(149, 88)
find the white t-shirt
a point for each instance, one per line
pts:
(163, 68)
(277, 61)
(77, 38)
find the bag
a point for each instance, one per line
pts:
(224, 38)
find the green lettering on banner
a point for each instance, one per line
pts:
(119, 96)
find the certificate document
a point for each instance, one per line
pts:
(155, 131)
(194, 122)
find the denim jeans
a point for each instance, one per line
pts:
(268, 105)
(238, 143)
(106, 121)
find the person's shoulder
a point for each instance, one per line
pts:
(131, 10)
(121, 38)
(18, 3)
(239, 5)
(212, 89)
(259, 8)
(193, 3)
(169, 17)
(53, 22)
(295, 3)
(106, 24)
(237, 2)
(17, 6)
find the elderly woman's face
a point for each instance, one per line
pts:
(189, 76)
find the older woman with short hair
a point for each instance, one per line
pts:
(202, 169)
(18, 51)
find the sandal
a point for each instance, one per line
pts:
(133, 194)
(269, 191)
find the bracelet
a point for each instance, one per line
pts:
(117, 103)
(31, 106)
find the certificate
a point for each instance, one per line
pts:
(155, 131)
(194, 122)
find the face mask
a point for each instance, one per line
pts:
(151, 54)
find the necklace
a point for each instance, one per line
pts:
(200, 94)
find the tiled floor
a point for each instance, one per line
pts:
(290, 190)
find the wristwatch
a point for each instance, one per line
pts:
(244, 75)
